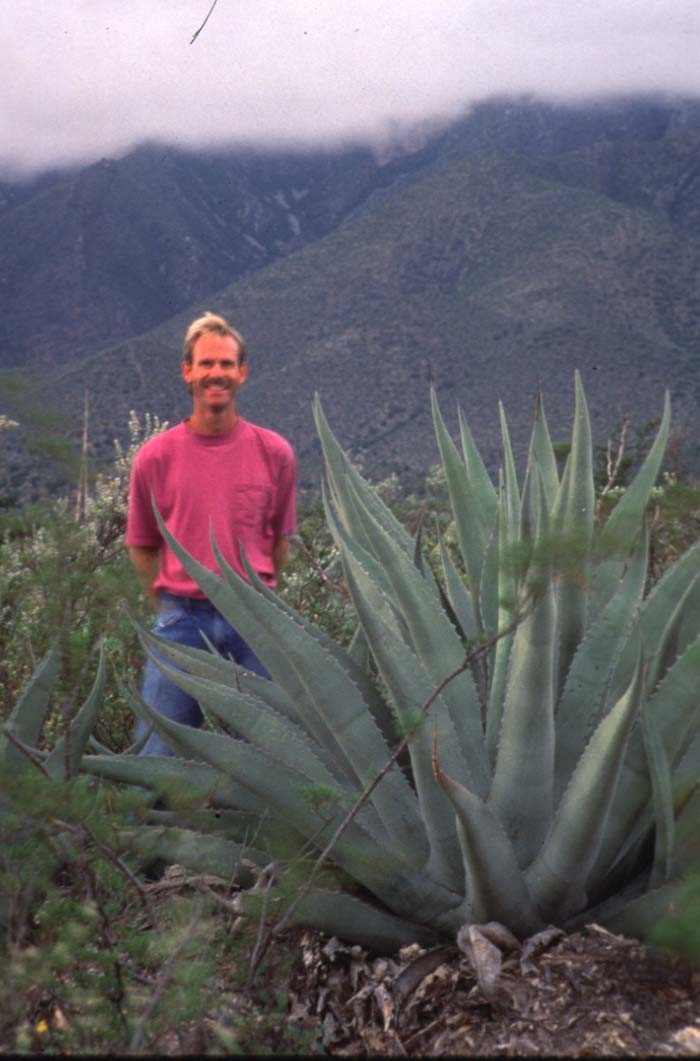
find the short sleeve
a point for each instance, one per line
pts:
(141, 527)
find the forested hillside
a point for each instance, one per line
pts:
(520, 243)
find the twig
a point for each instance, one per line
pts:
(82, 488)
(115, 859)
(337, 588)
(612, 468)
(120, 993)
(205, 22)
(260, 946)
(26, 750)
(164, 978)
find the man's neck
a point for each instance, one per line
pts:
(212, 423)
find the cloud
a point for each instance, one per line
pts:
(84, 79)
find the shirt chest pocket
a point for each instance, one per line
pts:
(252, 507)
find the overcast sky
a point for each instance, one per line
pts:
(83, 79)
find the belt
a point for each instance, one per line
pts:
(189, 604)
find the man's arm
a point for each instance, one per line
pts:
(146, 560)
(280, 554)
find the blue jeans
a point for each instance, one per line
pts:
(183, 620)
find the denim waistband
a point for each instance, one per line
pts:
(188, 604)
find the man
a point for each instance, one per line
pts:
(214, 471)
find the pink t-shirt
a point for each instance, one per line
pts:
(240, 484)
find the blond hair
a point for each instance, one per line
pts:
(210, 322)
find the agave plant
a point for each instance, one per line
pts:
(549, 709)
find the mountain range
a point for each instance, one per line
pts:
(488, 259)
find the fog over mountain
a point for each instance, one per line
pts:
(85, 79)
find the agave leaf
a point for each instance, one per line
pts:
(342, 472)
(382, 597)
(470, 519)
(671, 645)
(638, 917)
(274, 734)
(459, 596)
(686, 852)
(255, 721)
(462, 613)
(101, 749)
(491, 575)
(64, 759)
(349, 918)
(495, 885)
(259, 831)
(194, 780)
(557, 877)
(480, 484)
(573, 521)
(657, 610)
(278, 784)
(684, 783)
(662, 799)
(436, 644)
(674, 708)
(507, 596)
(204, 664)
(627, 514)
(28, 714)
(522, 791)
(512, 493)
(202, 854)
(358, 650)
(584, 699)
(349, 514)
(541, 454)
(410, 689)
(529, 505)
(376, 540)
(687, 769)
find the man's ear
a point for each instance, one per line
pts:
(243, 370)
(186, 370)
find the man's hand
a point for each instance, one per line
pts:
(146, 561)
(280, 554)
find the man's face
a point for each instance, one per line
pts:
(214, 375)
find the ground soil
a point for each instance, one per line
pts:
(591, 994)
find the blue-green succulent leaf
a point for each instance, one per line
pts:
(64, 759)
(662, 799)
(496, 888)
(585, 697)
(470, 518)
(342, 472)
(202, 854)
(28, 714)
(573, 523)
(482, 488)
(558, 876)
(541, 454)
(522, 791)
(349, 918)
(626, 516)
(410, 689)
